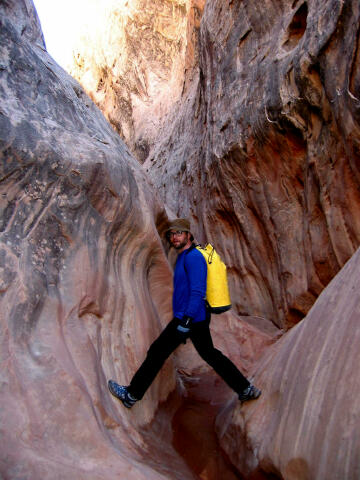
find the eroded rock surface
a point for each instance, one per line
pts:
(305, 425)
(262, 153)
(261, 146)
(136, 61)
(265, 149)
(85, 284)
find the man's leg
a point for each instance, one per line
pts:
(201, 337)
(160, 349)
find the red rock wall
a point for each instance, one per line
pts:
(264, 154)
(136, 61)
(85, 283)
(305, 425)
(261, 151)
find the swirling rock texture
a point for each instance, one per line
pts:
(260, 146)
(85, 283)
(257, 143)
(265, 155)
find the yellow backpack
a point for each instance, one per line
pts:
(217, 289)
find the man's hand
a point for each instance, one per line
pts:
(184, 326)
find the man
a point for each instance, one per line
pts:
(191, 320)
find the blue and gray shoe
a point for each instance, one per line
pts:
(250, 393)
(121, 393)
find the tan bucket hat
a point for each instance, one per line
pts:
(182, 224)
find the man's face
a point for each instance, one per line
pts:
(179, 240)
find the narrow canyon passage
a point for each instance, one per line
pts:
(193, 424)
(250, 128)
(193, 429)
(187, 421)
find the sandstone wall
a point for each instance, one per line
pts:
(305, 425)
(249, 126)
(136, 61)
(260, 148)
(264, 153)
(85, 283)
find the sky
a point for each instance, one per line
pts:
(61, 23)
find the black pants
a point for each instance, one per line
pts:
(168, 341)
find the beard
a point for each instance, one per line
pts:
(178, 245)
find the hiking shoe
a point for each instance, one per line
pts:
(250, 393)
(121, 393)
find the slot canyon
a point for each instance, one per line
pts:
(243, 117)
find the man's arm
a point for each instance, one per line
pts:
(196, 270)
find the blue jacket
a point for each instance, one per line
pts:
(190, 285)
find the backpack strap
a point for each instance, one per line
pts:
(207, 306)
(186, 252)
(192, 246)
